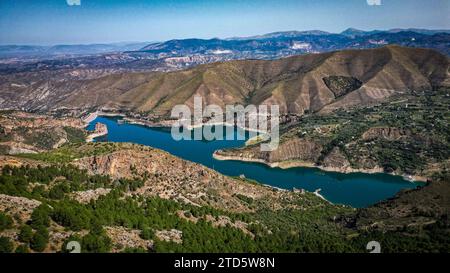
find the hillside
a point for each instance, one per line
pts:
(119, 197)
(31, 133)
(127, 197)
(299, 84)
(404, 135)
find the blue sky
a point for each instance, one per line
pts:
(101, 21)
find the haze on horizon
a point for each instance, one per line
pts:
(50, 22)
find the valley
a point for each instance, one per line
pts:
(352, 113)
(124, 197)
(356, 190)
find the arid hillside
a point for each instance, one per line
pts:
(299, 84)
(22, 132)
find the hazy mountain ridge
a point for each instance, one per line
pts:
(11, 51)
(352, 32)
(182, 53)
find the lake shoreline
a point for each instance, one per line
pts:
(167, 123)
(297, 164)
(100, 130)
(282, 165)
(310, 177)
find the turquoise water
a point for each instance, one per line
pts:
(357, 189)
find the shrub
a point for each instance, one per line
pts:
(25, 234)
(6, 221)
(40, 217)
(22, 249)
(6, 245)
(40, 240)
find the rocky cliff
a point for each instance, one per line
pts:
(172, 178)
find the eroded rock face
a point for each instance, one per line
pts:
(18, 205)
(301, 149)
(336, 159)
(341, 85)
(85, 197)
(18, 162)
(15, 148)
(292, 149)
(387, 133)
(126, 238)
(36, 121)
(172, 235)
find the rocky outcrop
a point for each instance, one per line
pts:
(219, 221)
(15, 148)
(172, 178)
(387, 133)
(85, 197)
(341, 85)
(336, 159)
(100, 130)
(12, 120)
(224, 221)
(21, 206)
(123, 238)
(172, 235)
(293, 149)
(18, 162)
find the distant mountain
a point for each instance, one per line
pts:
(21, 50)
(97, 60)
(11, 51)
(420, 30)
(282, 44)
(281, 34)
(313, 82)
(353, 32)
(268, 46)
(94, 48)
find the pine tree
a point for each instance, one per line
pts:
(6, 221)
(22, 249)
(25, 234)
(6, 245)
(40, 217)
(40, 239)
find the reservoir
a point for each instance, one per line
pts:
(355, 189)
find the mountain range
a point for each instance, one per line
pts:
(267, 46)
(20, 51)
(281, 44)
(104, 59)
(298, 84)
